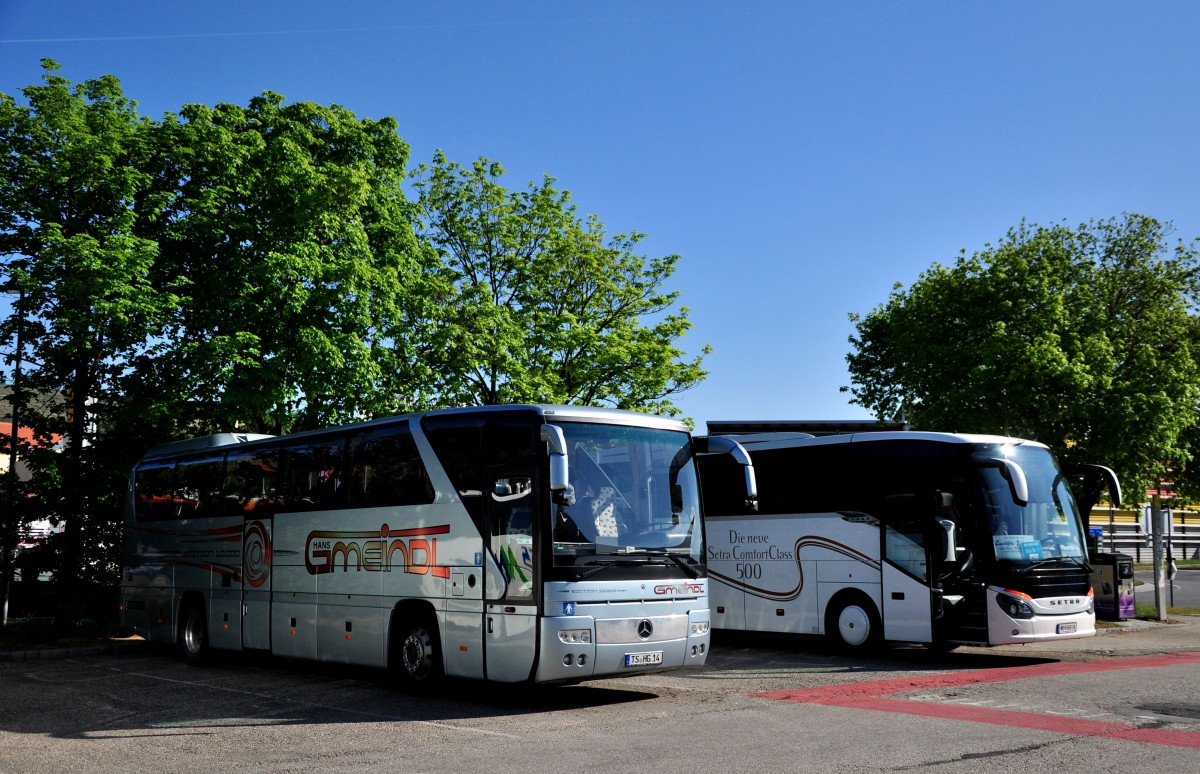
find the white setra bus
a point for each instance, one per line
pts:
(867, 537)
(507, 543)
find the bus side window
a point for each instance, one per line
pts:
(459, 448)
(387, 469)
(313, 477)
(723, 485)
(251, 486)
(198, 484)
(154, 490)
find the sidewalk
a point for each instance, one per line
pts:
(1179, 633)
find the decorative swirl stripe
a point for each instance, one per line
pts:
(256, 554)
(806, 541)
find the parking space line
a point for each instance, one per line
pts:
(873, 696)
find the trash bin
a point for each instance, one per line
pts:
(1112, 584)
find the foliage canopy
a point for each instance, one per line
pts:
(262, 268)
(1083, 338)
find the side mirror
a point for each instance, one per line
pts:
(1018, 485)
(559, 474)
(719, 444)
(1110, 478)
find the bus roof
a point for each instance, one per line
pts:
(550, 413)
(202, 443)
(805, 426)
(774, 436)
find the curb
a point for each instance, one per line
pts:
(1139, 625)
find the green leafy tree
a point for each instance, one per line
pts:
(1083, 338)
(289, 244)
(69, 201)
(541, 304)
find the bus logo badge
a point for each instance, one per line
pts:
(645, 629)
(568, 608)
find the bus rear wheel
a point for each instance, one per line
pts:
(193, 634)
(416, 659)
(852, 622)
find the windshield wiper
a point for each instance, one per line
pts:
(1075, 560)
(600, 565)
(666, 552)
(635, 558)
(1078, 561)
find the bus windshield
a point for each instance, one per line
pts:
(1049, 526)
(636, 494)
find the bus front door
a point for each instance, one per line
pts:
(510, 625)
(906, 597)
(256, 584)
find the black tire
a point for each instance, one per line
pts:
(416, 656)
(852, 623)
(193, 634)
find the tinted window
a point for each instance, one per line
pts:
(313, 477)
(198, 485)
(386, 469)
(251, 483)
(818, 479)
(723, 485)
(154, 489)
(458, 444)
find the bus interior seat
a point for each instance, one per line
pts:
(604, 509)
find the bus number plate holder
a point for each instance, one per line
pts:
(1065, 628)
(643, 659)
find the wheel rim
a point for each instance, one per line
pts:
(193, 634)
(854, 625)
(417, 654)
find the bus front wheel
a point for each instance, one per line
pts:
(416, 658)
(193, 634)
(852, 621)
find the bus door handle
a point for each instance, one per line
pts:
(490, 630)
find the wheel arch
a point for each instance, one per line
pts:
(853, 596)
(192, 598)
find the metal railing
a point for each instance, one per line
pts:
(1123, 531)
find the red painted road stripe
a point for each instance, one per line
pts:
(869, 696)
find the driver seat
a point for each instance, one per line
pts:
(604, 511)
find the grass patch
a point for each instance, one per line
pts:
(1149, 612)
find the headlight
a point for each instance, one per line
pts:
(575, 636)
(699, 629)
(1013, 605)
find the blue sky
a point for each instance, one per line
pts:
(801, 157)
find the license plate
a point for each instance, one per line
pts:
(643, 659)
(1067, 628)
